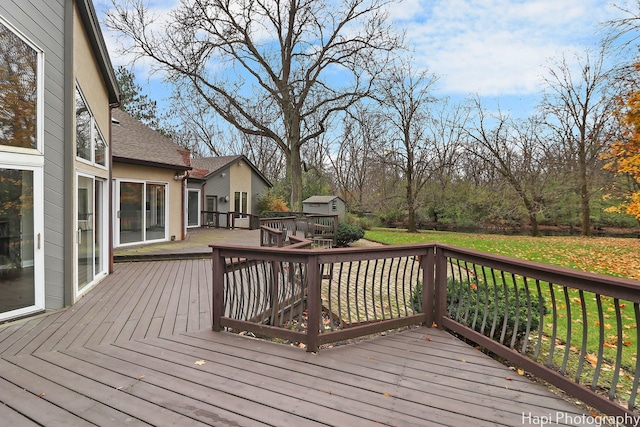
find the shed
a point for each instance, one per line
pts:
(326, 205)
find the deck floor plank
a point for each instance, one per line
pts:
(153, 318)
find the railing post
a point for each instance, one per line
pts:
(217, 305)
(428, 285)
(440, 286)
(314, 302)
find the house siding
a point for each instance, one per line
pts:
(42, 22)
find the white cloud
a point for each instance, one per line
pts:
(497, 47)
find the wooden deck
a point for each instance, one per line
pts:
(139, 350)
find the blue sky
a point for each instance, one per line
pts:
(497, 49)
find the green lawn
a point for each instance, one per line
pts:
(612, 256)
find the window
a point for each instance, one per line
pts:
(334, 205)
(240, 202)
(18, 91)
(90, 144)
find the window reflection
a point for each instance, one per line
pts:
(18, 91)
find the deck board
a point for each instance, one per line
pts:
(125, 355)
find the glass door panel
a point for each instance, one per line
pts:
(131, 196)
(85, 231)
(193, 208)
(17, 277)
(155, 212)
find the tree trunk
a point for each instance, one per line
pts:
(296, 179)
(584, 193)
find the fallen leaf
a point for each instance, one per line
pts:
(520, 371)
(508, 378)
(434, 325)
(388, 395)
(42, 394)
(199, 362)
(119, 388)
(140, 377)
(427, 339)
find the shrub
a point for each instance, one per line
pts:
(271, 203)
(463, 297)
(348, 234)
(364, 222)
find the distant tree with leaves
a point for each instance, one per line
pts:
(138, 104)
(623, 157)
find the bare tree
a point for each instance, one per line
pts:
(406, 97)
(303, 60)
(578, 106)
(354, 160)
(517, 152)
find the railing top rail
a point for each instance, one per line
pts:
(328, 256)
(616, 287)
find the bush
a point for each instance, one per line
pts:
(364, 222)
(463, 297)
(271, 203)
(348, 234)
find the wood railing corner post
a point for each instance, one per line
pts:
(217, 305)
(314, 302)
(428, 285)
(440, 285)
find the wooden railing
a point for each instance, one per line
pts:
(576, 330)
(309, 226)
(218, 219)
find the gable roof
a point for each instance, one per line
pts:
(92, 27)
(204, 167)
(321, 199)
(134, 142)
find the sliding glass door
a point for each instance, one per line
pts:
(90, 229)
(21, 259)
(141, 212)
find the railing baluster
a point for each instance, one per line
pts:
(585, 335)
(554, 325)
(541, 312)
(494, 324)
(567, 345)
(516, 326)
(618, 365)
(636, 377)
(525, 340)
(505, 318)
(596, 374)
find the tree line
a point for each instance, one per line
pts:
(324, 98)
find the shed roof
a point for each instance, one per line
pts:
(135, 142)
(321, 199)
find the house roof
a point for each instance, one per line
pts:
(321, 199)
(206, 166)
(92, 26)
(134, 142)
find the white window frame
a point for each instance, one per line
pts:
(116, 213)
(94, 129)
(186, 207)
(39, 95)
(38, 241)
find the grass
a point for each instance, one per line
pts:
(618, 257)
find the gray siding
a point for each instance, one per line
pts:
(42, 22)
(220, 186)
